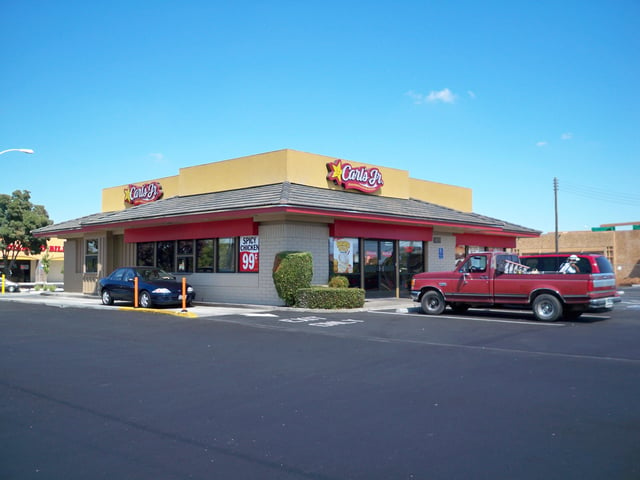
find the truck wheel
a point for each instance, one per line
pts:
(547, 308)
(432, 303)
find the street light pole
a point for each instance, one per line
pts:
(23, 150)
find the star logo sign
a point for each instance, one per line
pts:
(335, 172)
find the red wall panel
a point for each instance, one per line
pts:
(342, 228)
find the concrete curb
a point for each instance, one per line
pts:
(202, 310)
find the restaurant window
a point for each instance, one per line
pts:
(185, 256)
(145, 254)
(165, 255)
(344, 259)
(202, 256)
(91, 256)
(226, 255)
(205, 255)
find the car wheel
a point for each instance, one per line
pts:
(107, 299)
(432, 303)
(145, 299)
(11, 289)
(547, 308)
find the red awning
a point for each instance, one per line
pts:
(187, 231)
(485, 240)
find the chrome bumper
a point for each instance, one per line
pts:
(598, 303)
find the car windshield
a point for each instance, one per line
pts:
(154, 274)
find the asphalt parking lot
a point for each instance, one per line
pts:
(90, 391)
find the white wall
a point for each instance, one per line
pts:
(279, 237)
(448, 246)
(223, 287)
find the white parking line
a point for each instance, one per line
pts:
(478, 319)
(335, 323)
(314, 321)
(302, 319)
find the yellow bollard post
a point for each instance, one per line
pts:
(3, 284)
(184, 295)
(135, 292)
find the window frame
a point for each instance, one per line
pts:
(184, 254)
(231, 254)
(166, 252)
(93, 255)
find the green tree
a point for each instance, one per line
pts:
(45, 263)
(18, 218)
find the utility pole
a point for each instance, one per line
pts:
(555, 198)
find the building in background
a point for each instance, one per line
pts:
(621, 247)
(28, 269)
(222, 223)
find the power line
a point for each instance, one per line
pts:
(600, 193)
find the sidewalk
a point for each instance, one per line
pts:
(63, 299)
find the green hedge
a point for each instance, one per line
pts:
(291, 271)
(329, 298)
(339, 282)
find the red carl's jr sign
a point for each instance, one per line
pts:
(148, 192)
(365, 179)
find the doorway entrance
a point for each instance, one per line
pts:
(380, 259)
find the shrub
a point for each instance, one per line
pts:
(44, 287)
(330, 298)
(339, 282)
(291, 271)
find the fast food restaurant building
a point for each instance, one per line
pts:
(221, 224)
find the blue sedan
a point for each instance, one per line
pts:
(155, 287)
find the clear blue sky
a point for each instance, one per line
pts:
(496, 96)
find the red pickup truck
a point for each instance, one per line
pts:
(500, 280)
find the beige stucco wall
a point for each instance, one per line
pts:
(289, 166)
(458, 198)
(568, 242)
(72, 274)
(627, 248)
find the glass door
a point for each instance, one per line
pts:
(410, 262)
(380, 267)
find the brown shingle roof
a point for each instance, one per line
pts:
(285, 195)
